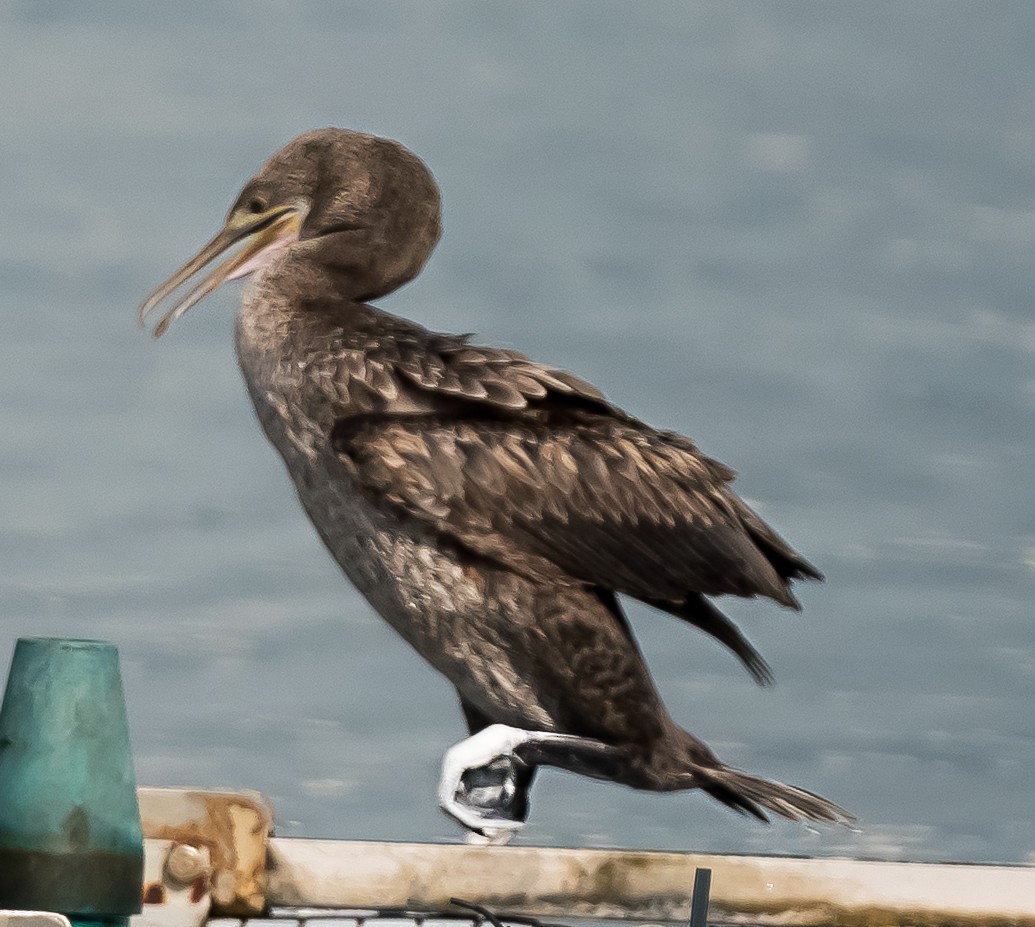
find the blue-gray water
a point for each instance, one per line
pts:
(802, 233)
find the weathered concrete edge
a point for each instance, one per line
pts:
(550, 882)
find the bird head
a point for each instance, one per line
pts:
(363, 208)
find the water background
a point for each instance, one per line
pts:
(802, 233)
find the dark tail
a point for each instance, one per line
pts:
(755, 796)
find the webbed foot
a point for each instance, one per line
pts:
(485, 778)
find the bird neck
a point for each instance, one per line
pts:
(292, 306)
(301, 280)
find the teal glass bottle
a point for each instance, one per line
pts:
(70, 836)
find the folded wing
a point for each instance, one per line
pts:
(531, 468)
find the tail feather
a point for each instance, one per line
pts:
(755, 796)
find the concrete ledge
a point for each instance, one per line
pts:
(32, 919)
(546, 882)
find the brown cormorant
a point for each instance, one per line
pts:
(490, 508)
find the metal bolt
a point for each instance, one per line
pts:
(185, 863)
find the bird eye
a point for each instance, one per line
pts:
(255, 205)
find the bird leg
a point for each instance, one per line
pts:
(485, 778)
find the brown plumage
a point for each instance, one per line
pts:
(489, 507)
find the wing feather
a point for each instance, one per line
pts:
(556, 493)
(531, 467)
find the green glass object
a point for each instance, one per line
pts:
(70, 837)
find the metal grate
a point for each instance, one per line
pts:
(351, 917)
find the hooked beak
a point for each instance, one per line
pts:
(261, 233)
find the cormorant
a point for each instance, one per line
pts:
(490, 508)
